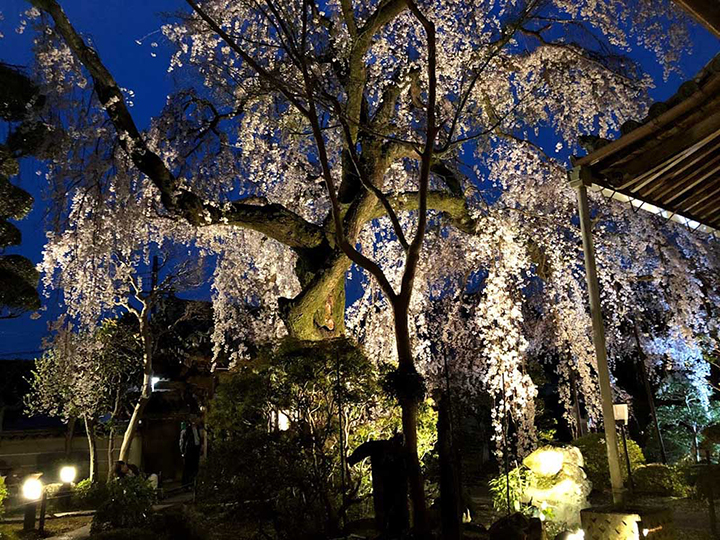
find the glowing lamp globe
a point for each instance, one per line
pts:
(550, 462)
(68, 474)
(32, 489)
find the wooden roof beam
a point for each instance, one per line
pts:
(708, 202)
(706, 12)
(676, 165)
(649, 157)
(702, 196)
(673, 190)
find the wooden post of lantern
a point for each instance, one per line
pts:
(620, 412)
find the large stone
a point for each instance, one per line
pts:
(558, 486)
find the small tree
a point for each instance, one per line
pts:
(86, 376)
(683, 412)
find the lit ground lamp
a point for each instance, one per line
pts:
(68, 474)
(33, 491)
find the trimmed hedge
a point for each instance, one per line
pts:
(594, 452)
(171, 524)
(661, 480)
(128, 504)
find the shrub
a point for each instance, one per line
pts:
(594, 452)
(128, 504)
(3, 495)
(87, 494)
(177, 522)
(661, 480)
(518, 479)
(171, 524)
(126, 534)
(292, 477)
(60, 497)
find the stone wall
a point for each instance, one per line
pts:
(26, 452)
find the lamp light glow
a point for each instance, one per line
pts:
(283, 421)
(68, 474)
(620, 412)
(32, 489)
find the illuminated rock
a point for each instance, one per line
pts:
(558, 486)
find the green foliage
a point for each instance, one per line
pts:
(89, 494)
(18, 99)
(661, 480)
(682, 413)
(3, 495)
(293, 478)
(85, 374)
(18, 285)
(594, 453)
(16, 92)
(128, 504)
(518, 480)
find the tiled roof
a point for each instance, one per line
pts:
(668, 163)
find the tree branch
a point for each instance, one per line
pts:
(413, 252)
(261, 71)
(370, 186)
(272, 220)
(349, 250)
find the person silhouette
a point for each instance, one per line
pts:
(388, 462)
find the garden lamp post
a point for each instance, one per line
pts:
(32, 491)
(68, 473)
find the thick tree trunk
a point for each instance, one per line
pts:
(146, 388)
(92, 446)
(409, 404)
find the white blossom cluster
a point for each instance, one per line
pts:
(487, 299)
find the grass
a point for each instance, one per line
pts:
(53, 527)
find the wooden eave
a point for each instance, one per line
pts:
(670, 165)
(706, 12)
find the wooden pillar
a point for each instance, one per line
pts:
(579, 180)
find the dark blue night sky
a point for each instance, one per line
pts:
(114, 26)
